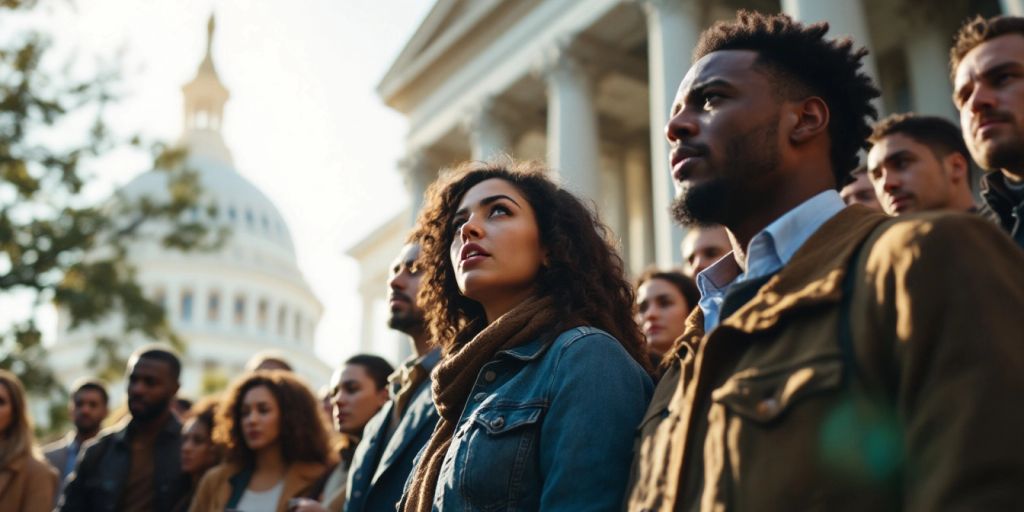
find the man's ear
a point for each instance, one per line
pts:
(959, 169)
(806, 119)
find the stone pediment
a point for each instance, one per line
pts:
(446, 23)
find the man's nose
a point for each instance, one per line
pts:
(891, 182)
(680, 127)
(982, 99)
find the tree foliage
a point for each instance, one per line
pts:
(57, 248)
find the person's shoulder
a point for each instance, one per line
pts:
(586, 333)
(39, 468)
(953, 231)
(58, 445)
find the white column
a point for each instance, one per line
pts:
(639, 238)
(844, 17)
(1012, 7)
(419, 172)
(927, 59)
(366, 340)
(572, 122)
(489, 133)
(672, 32)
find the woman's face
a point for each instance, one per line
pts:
(663, 311)
(6, 409)
(197, 451)
(261, 418)
(355, 399)
(496, 251)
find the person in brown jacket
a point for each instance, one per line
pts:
(839, 359)
(27, 482)
(275, 441)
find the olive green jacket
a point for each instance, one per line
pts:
(919, 409)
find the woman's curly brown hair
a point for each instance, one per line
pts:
(584, 273)
(303, 435)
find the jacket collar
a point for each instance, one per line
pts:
(171, 427)
(529, 351)
(998, 197)
(814, 275)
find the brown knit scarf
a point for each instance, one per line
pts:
(454, 378)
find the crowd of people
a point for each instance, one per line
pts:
(844, 335)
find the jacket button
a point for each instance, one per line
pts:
(489, 376)
(498, 422)
(479, 396)
(767, 407)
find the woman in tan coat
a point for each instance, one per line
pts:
(276, 446)
(27, 482)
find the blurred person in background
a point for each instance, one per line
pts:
(268, 360)
(87, 408)
(276, 446)
(664, 299)
(27, 482)
(919, 163)
(198, 451)
(358, 391)
(704, 245)
(135, 465)
(859, 190)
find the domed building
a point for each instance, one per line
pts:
(228, 304)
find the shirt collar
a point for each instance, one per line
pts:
(772, 247)
(785, 235)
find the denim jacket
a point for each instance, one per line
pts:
(548, 426)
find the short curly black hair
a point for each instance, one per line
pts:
(802, 62)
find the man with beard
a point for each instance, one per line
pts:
(987, 62)
(833, 363)
(394, 436)
(88, 409)
(135, 467)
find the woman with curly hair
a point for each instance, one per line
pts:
(27, 482)
(544, 376)
(275, 441)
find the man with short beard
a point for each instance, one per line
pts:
(834, 362)
(135, 467)
(987, 62)
(394, 436)
(88, 409)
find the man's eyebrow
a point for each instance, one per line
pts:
(987, 74)
(903, 153)
(699, 88)
(486, 201)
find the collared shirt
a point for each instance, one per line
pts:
(69, 465)
(769, 250)
(406, 380)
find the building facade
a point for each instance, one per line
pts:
(586, 85)
(228, 304)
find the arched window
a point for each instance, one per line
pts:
(186, 305)
(265, 222)
(160, 298)
(232, 213)
(249, 219)
(298, 326)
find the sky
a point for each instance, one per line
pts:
(304, 122)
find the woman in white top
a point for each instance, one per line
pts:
(276, 446)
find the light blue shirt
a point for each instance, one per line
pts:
(769, 250)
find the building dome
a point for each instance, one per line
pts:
(246, 296)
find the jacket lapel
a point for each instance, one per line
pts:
(413, 421)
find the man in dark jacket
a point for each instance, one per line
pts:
(136, 467)
(394, 436)
(987, 63)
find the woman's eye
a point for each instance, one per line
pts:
(498, 209)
